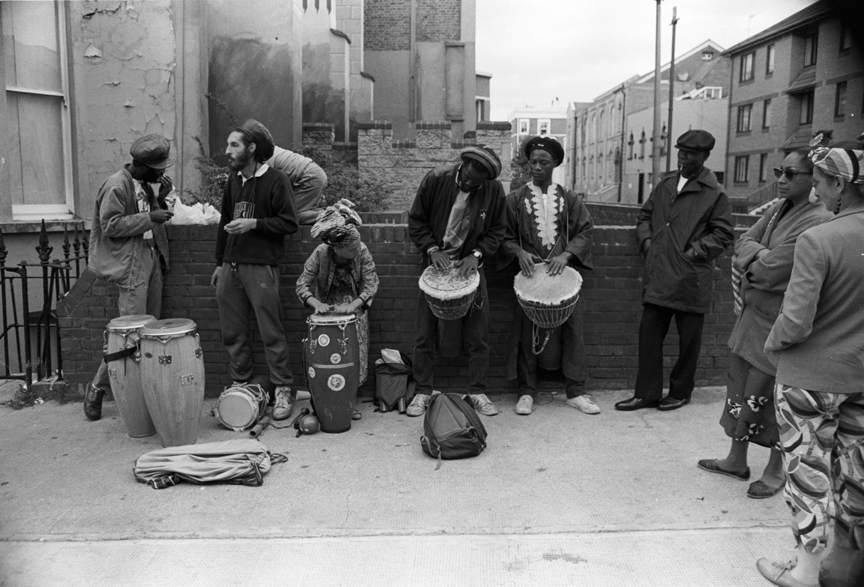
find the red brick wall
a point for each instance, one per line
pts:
(611, 292)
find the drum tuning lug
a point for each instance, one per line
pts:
(187, 379)
(164, 359)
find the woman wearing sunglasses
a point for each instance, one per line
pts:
(763, 256)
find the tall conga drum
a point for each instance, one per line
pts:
(548, 301)
(331, 354)
(124, 372)
(172, 377)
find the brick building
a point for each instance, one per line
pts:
(528, 122)
(804, 74)
(600, 129)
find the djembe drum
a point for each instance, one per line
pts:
(332, 354)
(547, 300)
(124, 371)
(448, 294)
(241, 406)
(172, 377)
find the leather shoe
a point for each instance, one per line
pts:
(672, 403)
(635, 403)
(93, 402)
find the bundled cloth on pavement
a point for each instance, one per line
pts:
(236, 462)
(393, 379)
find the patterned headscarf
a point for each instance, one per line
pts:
(846, 163)
(337, 225)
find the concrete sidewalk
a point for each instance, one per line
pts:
(558, 498)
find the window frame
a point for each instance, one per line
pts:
(745, 111)
(845, 38)
(526, 122)
(766, 114)
(763, 167)
(802, 120)
(769, 60)
(548, 123)
(840, 90)
(746, 72)
(813, 55)
(742, 168)
(65, 211)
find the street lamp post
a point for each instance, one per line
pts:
(671, 92)
(655, 147)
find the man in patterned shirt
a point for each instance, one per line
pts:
(547, 223)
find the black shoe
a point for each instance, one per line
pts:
(672, 403)
(93, 402)
(636, 403)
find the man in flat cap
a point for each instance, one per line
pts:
(128, 244)
(257, 213)
(307, 180)
(685, 224)
(457, 220)
(547, 223)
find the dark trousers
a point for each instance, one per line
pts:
(240, 293)
(652, 332)
(475, 334)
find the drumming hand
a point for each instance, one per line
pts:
(216, 274)
(526, 262)
(557, 264)
(440, 260)
(319, 307)
(467, 266)
(240, 225)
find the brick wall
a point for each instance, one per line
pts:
(613, 214)
(439, 20)
(402, 164)
(387, 25)
(611, 292)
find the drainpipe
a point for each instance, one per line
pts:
(621, 145)
(412, 73)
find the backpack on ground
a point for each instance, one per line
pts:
(453, 429)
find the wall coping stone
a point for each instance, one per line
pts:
(374, 124)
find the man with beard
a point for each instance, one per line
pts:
(547, 223)
(128, 244)
(257, 213)
(685, 224)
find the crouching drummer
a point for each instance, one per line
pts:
(339, 276)
(457, 219)
(547, 223)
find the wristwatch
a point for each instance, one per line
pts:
(477, 254)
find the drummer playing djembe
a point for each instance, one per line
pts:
(547, 223)
(457, 219)
(339, 276)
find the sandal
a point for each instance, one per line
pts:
(356, 415)
(761, 490)
(778, 573)
(711, 466)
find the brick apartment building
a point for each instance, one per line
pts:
(528, 122)
(802, 75)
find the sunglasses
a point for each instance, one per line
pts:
(789, 173)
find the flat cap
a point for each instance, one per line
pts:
(259, 135)
(548, 144)
(153, 151)
(695, 140)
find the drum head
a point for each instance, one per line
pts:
(170, 327)
(330, 319)
(542, 288)
(131, 322)
(237, 409)
(447, 284)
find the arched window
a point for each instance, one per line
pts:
(642, 145)
(630, 144)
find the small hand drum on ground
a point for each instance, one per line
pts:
(448, 294)
(241, 406)
(548, 301)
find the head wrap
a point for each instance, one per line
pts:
(846, 163)
(549, 145)
(337, 225)
(257, 133)
(485, 156)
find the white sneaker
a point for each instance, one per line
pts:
(483, 404)
(584, 404)
(418, 405)
(282, 408)
(525, 405)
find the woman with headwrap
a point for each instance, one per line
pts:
(339, 276)
(817, 346)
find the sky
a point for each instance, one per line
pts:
(575, 50)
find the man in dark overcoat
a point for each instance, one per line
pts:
(685, 224)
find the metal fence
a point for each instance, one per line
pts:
(30, 336)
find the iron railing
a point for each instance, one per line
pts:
(39, 357)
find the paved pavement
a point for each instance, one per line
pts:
(558, 498)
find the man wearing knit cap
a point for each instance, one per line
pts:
(128, 244)
(257, 213)
(547, 223)
(685, 224)
(457, 220)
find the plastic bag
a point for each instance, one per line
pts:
(197, 213)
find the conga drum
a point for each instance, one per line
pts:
(331, 355)
(172, 377)
(448, 294)
(241, 406)
(548, 301)
(121, 354)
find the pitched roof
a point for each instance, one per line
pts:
(808, 15)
